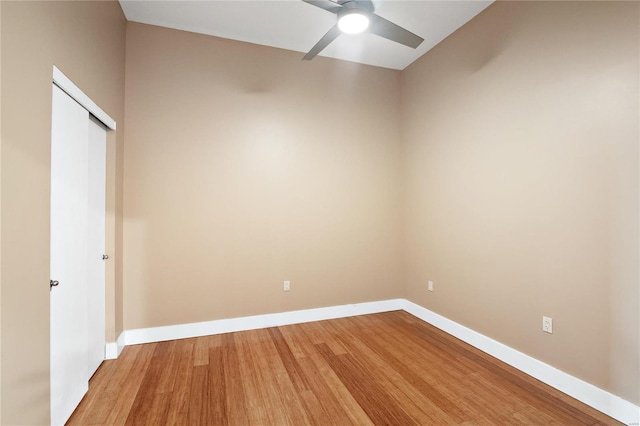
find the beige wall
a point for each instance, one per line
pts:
(86, 40)
(521, 182)
(244, 167)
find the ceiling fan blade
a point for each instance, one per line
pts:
(326, 39)
(327, 5)
(387, 29)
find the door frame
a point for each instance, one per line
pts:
(67, 86)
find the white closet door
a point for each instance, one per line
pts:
(69, 227)
(97, 199)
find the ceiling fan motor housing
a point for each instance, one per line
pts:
(351, 6)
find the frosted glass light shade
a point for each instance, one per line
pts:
(353, 23)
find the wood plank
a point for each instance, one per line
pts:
(322, 404)
(181, 394)
(217, 388)
(328, 388)
(199, 396)
(408, 364)
(415, 403)
(236, 398)
(281, 396)
(289, 361)
(253, 389)
(377, 403)
(128, 382)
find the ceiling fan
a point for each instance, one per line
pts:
(356, 16)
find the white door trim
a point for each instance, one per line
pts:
(67, 86)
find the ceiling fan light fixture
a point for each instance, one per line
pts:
(353, 22)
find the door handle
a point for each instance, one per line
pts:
(52, 284)
(105, 256)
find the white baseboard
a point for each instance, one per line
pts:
(114, 349)
(182, 331)
(601, 400)
(593, 396)
(111, 350)
(121, 343)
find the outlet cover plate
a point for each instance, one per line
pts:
(547, 325)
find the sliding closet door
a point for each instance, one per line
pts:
(95, 262)
(69, 228)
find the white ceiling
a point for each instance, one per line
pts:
(295, 25)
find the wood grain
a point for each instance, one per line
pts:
(381, 369)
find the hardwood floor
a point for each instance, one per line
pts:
(387, 369)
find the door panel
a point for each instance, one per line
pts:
(95, 263)
(69, 226)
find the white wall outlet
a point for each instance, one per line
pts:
(430, 286)
(547, 325)
(287, 285)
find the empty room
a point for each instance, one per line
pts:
(250, 212)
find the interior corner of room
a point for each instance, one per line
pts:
(489, 184)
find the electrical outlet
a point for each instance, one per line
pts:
(430, 286)
(547, 325)
(287, 285)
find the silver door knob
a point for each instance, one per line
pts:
(105, 256)
(53, 283)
